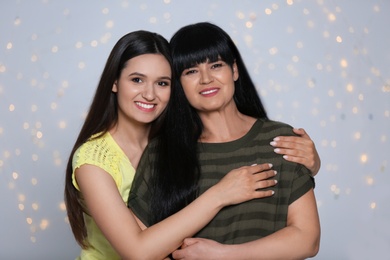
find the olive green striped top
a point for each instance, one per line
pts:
(249, 220)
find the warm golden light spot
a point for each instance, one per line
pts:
(240, 15)
(26, 125)
(339, 39)
(15, 175)
(357, 135)
(33, 239)
(268, 11)
(9, 46)
(62, 206)
(2, 68)
(167, 1)
(355, 110)
(373, 205)
(363, 158)
(369, 180)
(34, 181)
(21, 206)
(349, 87)
(17, 21)
(34, 58)
(34, 206)
(62, 124)
(273, 51)
(79, 45)
(44, 224)
(21, 197)
(53, 105)
(94, 43)
(110, 24)
(249, 24)
(290, 2)
(326, 34)
(81, 65)
(343, 63)
(295, 58)
(331, 17)
(39, 134)
(11, 107)
(34, 108)
(29, 221)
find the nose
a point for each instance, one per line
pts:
(205, 77)
(148, 92)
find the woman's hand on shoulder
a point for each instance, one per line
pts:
(246, 183)
(300, 149)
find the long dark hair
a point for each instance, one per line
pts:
(103, 112)
(176, 173)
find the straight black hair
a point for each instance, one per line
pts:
(176, 173)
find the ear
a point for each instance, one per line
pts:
(115, 87)
(235, 71)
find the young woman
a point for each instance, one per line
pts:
(132, 93)
(223, 126)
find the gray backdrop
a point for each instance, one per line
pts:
(322, 65)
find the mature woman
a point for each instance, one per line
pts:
(217, 123)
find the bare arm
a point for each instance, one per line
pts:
(119, 226)
(300, 149)
(298, 240)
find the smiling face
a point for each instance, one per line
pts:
(209, 86)
(143, 88)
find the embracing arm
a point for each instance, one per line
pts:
(121, 229)
(298, 240)
(300, 149)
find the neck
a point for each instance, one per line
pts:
(224, 126)
(132, 139)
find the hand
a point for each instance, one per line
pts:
(199, 248)
(245, 183)
(299, 149)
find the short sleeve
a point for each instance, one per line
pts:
(303, 181)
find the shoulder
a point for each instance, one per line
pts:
(99, 150)
(276, 128)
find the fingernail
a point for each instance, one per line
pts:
(273, 192)
(276, 181)
(272, 143)
(254, 164)
(276, 150)
(284, 156)
(275, 172)
(276, 139)
(270, 165)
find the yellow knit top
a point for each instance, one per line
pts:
(105, 153)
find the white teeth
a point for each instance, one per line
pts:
(147, 106)
(208, 92)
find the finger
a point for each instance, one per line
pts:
(263, 194)
(189, 241)
(301, 132)
(256, 168)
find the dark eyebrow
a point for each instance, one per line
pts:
(143, 75)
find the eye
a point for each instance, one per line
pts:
(136, 80)
(164, 83)
(189, 71)
(216, 65)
